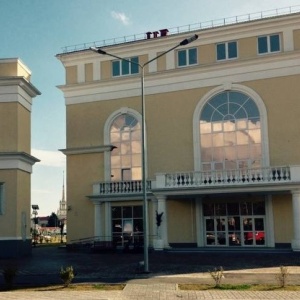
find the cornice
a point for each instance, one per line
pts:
(28, 87)
(87, 150)
(17, 160)
(237, 71)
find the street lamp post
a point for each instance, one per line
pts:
(144, 179)
(35, 209)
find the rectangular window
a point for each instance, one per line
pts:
(125, 67)
(187, 57)
(268, 44)
(227, 50)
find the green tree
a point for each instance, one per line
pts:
(53, 220)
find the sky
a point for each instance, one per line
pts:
(36, 30)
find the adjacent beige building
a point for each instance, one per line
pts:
(16, 93)
(222, 138)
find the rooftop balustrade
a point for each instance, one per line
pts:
(187, 28)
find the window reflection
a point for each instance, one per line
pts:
(126, 159)
(230, 129)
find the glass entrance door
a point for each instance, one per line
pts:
(235, 231)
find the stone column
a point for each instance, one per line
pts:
(97, 223)
(162, 238)
(296, 214)
(107, 219)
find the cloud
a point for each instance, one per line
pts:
(120, 17)
(49, 158)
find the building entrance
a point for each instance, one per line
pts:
(234, 224)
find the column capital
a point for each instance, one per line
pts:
(160, 197)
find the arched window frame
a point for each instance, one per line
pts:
(107, 126)
(263, 119)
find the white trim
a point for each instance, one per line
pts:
(199, 222)
(263, 119)
(170, 61)
(86, 150)
(288, 40)
(269, 225)
(265, 67)
(13, 238)
(98, 219)
(96, 70)
(20, 161)
(80, 73)
(15, 91)
(107, 225)
(152, 67)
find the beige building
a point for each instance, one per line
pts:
(16, 93)
(221, 129)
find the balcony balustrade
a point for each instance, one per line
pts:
(222, 178)
(120, 187)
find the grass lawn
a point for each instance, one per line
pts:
(71, 287)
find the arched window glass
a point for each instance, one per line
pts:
(230, 133)
(126, 159)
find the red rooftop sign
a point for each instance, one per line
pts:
(155, 34)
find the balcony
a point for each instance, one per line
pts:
(277, 178)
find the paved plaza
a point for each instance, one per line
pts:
(167, 270)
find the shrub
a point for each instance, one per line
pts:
(282, 276)
(217, 275)
(67, 275)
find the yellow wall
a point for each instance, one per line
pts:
(79, 182)
(106, 70)
(88, 72)
(207, 54)
(181, 221)
(247, 48)
(16, 187)
(280, 97)
(14, 68)
(297, 39)
(15, 124)
(71, 74)
(283, 218)
(161, 63)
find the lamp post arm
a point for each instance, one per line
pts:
(100, 51)
(182, 43)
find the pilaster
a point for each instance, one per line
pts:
(296, 214)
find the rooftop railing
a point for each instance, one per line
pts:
(188, 28)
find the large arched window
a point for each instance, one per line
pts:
(230, 132)
(126, 160)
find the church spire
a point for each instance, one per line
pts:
(63, 188)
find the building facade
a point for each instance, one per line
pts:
(16, 94)
(221, 137)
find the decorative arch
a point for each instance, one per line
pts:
(218, 91)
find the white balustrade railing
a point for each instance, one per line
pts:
(242, 177)
(120, 187)
(226, 177)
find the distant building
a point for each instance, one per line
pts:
(222, 135)
(16, 93)
(62, 210)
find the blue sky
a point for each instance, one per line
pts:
(37, 30)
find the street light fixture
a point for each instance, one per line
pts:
(144, 179)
